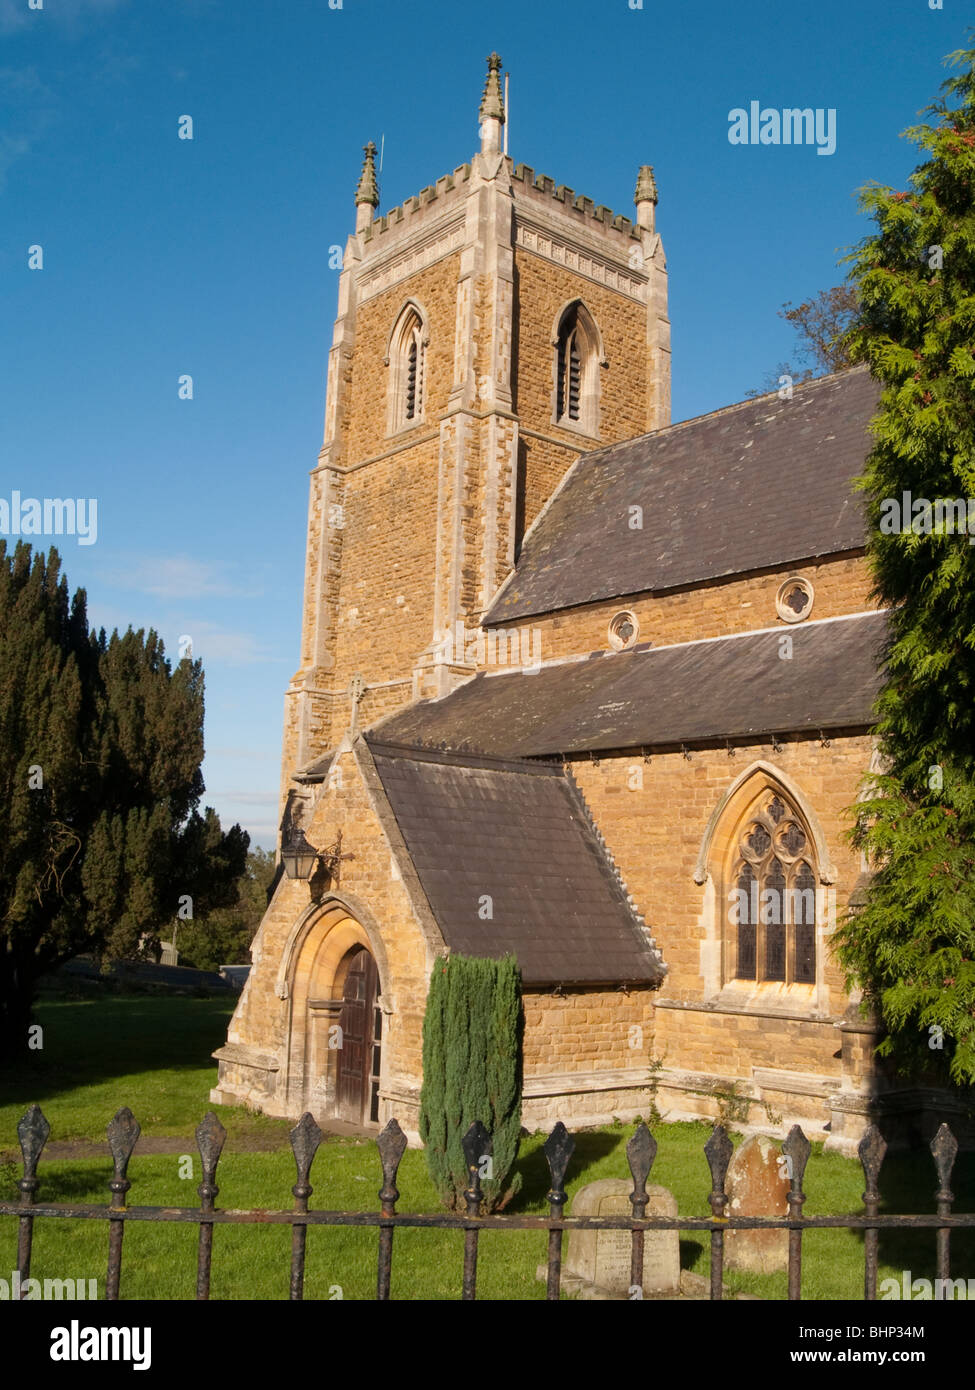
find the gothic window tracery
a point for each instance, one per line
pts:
(773, 921)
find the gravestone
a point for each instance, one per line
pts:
(757, 1185)
(597, 1263)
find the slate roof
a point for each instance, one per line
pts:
(518, 832)
(762, 483)
(735, 687)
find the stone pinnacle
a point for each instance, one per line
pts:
(368, 190)
(646, 185)
(492, 102)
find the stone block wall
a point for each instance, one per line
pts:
(721, 608)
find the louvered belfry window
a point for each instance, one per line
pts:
(570, 376)
(576, 370)
(775, 894)
(411, 379)
(407, 351)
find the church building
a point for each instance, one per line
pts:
(575, 683)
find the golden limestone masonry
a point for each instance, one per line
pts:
(574, 682)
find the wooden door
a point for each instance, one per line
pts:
(357, 1021)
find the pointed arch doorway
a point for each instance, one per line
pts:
(359, 1057)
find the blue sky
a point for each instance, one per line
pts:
(163, 257)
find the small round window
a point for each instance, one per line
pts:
(623, 630)
(794, 600)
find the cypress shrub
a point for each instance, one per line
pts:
(472, 1033)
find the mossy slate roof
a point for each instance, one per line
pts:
(515, 838)
(763, 483)
(742, 687)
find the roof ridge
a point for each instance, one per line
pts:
(460, 756)
(719, 410)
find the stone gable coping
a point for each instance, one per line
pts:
(614, 869)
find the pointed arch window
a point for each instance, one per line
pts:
(773, 912)
(578, 354)
(406, 360)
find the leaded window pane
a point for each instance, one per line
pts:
(747, 900)
(773, 915)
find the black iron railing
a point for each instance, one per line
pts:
(123, 1132)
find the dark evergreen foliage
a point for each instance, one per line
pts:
(912, 947)
(100, 749)
(472, 1071)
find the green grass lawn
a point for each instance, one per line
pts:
(149, 1052)
(153, 1054)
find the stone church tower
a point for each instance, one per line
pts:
(489, 330)
(648, 808)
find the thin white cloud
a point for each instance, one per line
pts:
(212, 643)
(27, 110)
(178, 576)
(261, 798)
(15, 16)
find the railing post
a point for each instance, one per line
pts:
(305, 1139)
(123, 1132)
(718, 1152)
(476, 1144)
(944, 1147)
(559, 1147)
(392, 1145)
(797, 1149)
(871, 1150)
(33, 1132)
(210, 1138)
(640, 1153)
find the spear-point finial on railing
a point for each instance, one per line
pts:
(871, 1150)
(718, 1151)
(944, 1147)
(123, 1134)
(210, 1139)
(392, 1146)
(33, 1132)
(559, 1148)
(305, 1139)
(797, 1149)
(640, 1153)
(477, 1145)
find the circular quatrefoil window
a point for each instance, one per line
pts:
(794, 600)
(623, 630)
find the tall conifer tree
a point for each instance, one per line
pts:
(101, 841)
(472, 1071)
(912, 947)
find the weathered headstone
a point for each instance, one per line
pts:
(598, 1262)
(757, 1185)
